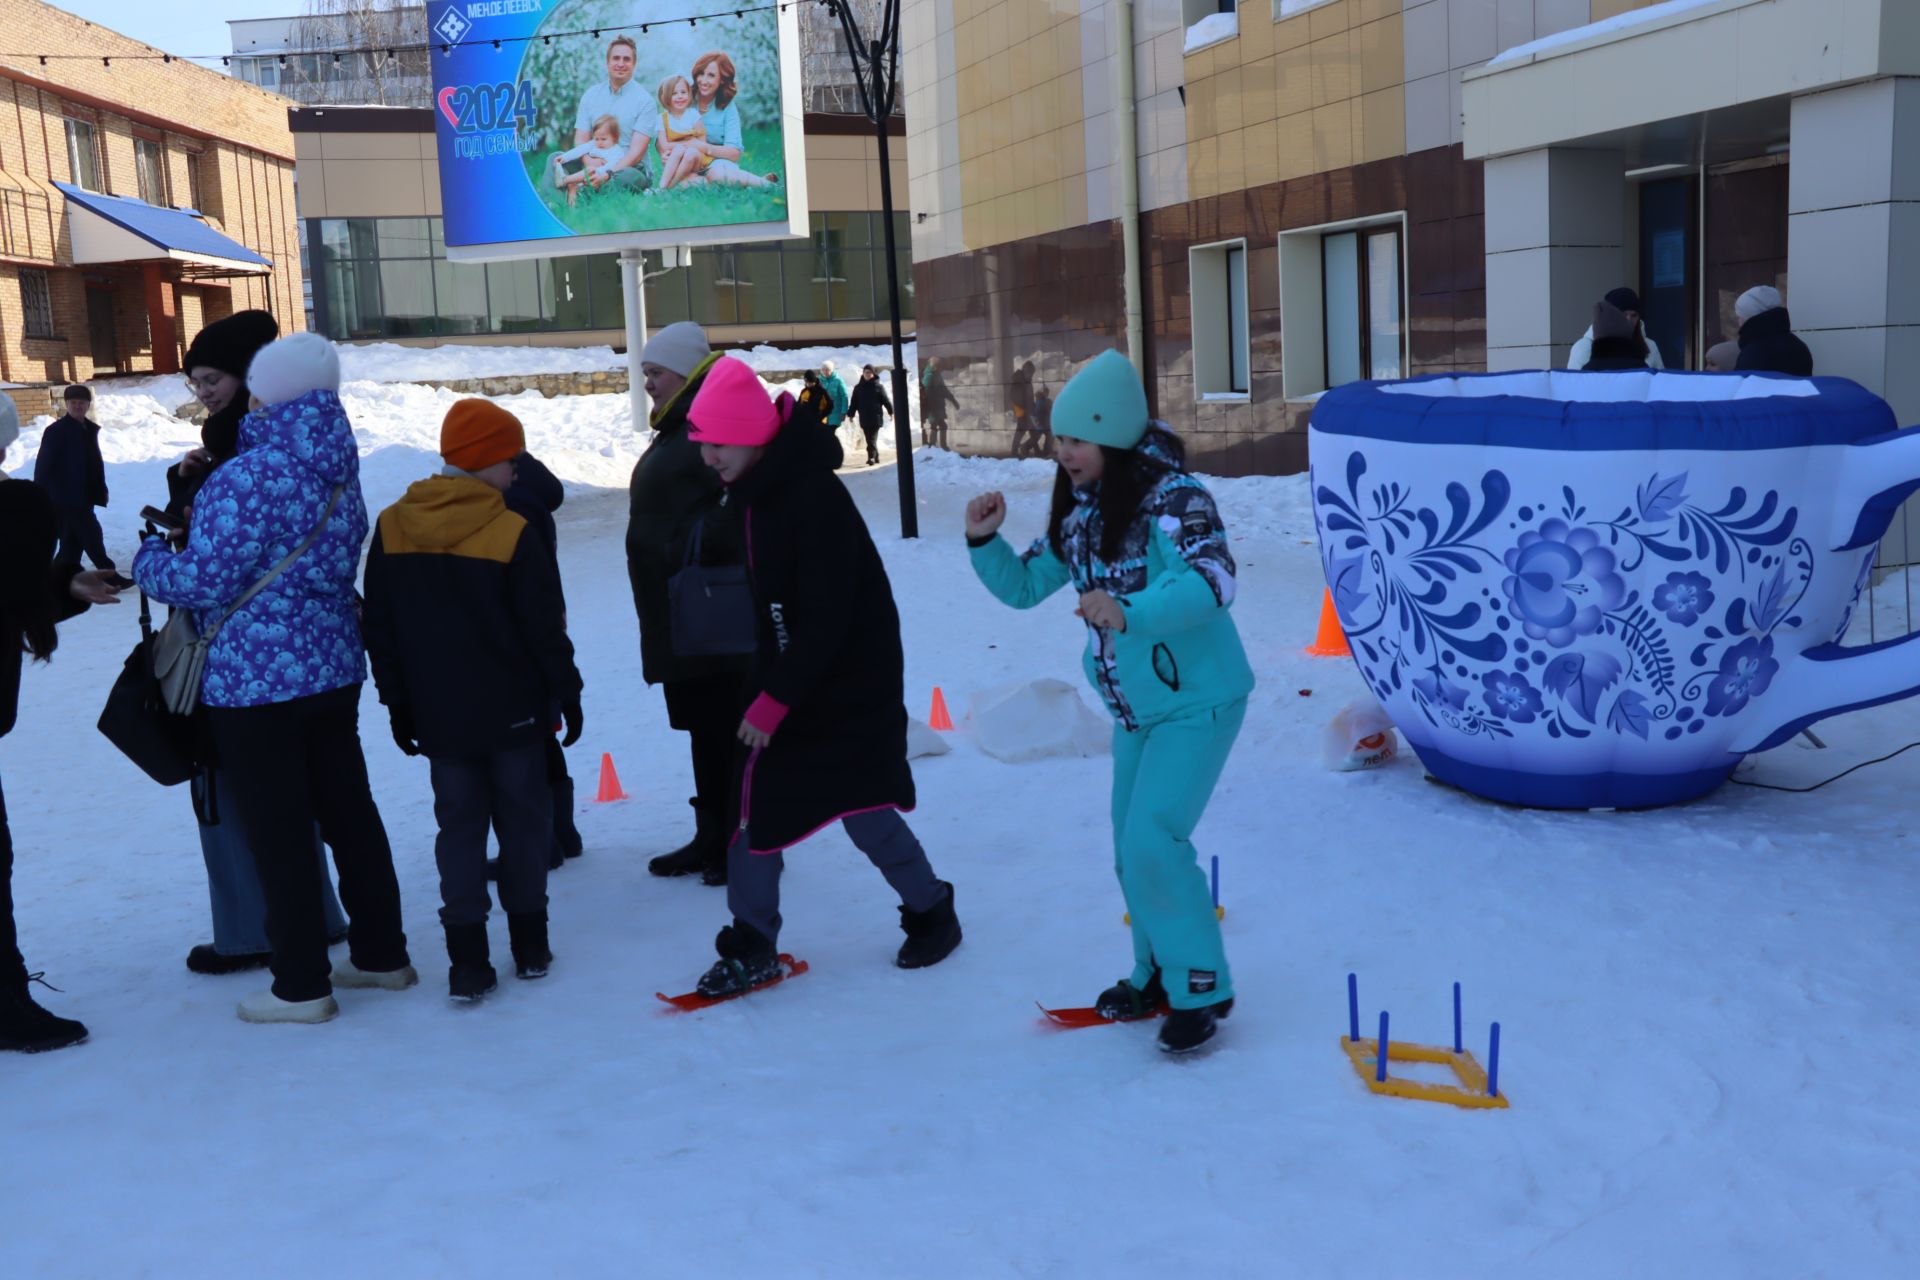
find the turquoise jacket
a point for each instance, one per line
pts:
(1181, 653)
(836, 392)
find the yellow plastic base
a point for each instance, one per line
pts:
(1126, 918)
(1470, 1092)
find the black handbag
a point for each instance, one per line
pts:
(137, 721)
(712, 605)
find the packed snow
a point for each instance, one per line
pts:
(1605, 26)
(1705, 1010)
(1210, 30)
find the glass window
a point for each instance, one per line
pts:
(712, 286)
(603, 285)
(1237, 319)
(461, 289)
(851, 296)
(850, 230)
(518, 295)
(405, 238)
(667, 296)
(36, 303)
(1383, 303)
(757, 286)
(83, 156)
(1366, 334)
(352, 300)
(1340, 258)
(406, 298)
(150, 163)
(193, 182)
(806, 294)
(567, 300)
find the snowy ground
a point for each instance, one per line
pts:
(1702, 1008)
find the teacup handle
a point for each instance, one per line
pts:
(1876, 476)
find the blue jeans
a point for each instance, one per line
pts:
(239, 907)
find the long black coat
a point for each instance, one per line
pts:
(70, 467)
(829, 647)
(869, 400)
(27, 536)
(672, 491)
(1768, 344)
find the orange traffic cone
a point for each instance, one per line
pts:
(938, 717)
(609, 781)
(1331, 642)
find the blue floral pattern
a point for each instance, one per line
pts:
(301, 634)
(1500, 616)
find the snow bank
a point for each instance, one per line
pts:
(1619, 22)
(1212, 29)
(392, 362)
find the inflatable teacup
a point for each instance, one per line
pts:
(1602, 590)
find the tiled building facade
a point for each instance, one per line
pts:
(168, 134)
(1314, 186)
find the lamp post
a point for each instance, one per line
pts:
(876, 67)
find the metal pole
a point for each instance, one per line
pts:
(633, 291)
(902, 435)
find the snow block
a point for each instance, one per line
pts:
(1036, 720)
(922, 741)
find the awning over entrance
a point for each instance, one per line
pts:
(115, 229)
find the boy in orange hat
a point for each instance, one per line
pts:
(469, 650)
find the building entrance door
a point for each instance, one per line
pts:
(101, 335)
(1669, 284)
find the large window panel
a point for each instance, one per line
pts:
(1384, 328)
(406, 298)
(461, 290)
(83, 155)
(519, 295)
(150, 168)
(806, 294)
(757, 286)
(851, 297)
(603, 284)
(1341, 263)
(568, 302)
(666, 296)
(353, 300)
(712, 284)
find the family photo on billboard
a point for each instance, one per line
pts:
(626, 118)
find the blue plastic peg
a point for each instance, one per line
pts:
(1380, 1058)
(1353, 1009)
(1457, 1048)
(1493, 1063)
(1216, 879)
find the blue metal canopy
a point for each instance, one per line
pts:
(120, 229)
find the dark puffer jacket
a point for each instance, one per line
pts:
(829, 647)
(27, 537)
(672, 491)
(1768, 345)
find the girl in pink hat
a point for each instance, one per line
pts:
(827, 729)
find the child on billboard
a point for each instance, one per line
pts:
(573, 168)
(681, 133)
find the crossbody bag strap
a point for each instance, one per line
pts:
(254, 590)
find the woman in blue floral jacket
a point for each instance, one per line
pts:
(283, 674)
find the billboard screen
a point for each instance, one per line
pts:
(574, 126)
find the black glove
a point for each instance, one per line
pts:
(403, 736)
(576, 720)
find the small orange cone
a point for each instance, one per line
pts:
(1331, 642)
(609, 781)
(938, 717)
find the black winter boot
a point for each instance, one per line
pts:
(27, 1028)
(691, 857)
(1187, 1029)
(566, 836)
(1123, 1002)
(471, 975)
(204, 959)
(747, 960)
(931, 934)
(527, 933)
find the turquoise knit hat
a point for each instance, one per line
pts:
(1103, 403)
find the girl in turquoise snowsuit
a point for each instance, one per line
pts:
(1142, 543)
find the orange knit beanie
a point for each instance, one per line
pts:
(478, 433)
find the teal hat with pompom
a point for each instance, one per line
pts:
(1103, 403)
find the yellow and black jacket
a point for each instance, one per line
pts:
(465, 625)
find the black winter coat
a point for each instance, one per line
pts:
(535, 494)
(1615, 354)
(671, 492)
(220, 437)
(1768, 345)
(70, 467)
(463, 620)
(868, 401)
(829, 647)
(27, 537)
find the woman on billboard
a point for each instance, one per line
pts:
(714, 90)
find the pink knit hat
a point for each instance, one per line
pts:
(732, 407)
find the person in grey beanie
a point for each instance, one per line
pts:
(1767, 341)
(673, 495)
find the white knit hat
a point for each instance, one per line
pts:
(293, 366)
(826, 366)
(679, 348)
(9, 422)
(1761, 298)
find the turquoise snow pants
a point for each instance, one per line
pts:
(1163, 776)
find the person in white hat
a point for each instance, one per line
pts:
(1767, 340)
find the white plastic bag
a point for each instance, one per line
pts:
(1360, 736)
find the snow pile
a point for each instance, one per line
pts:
(392, 362)
(1036, 719)
(1212, 29)
(1619, 22)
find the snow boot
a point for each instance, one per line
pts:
(1123, 1002)
(27, 1028)
(528, 934)
(566, 836)
(471, 974)
(747, 960)
(931, 934)
(1187, 1029)
(350, 976)
(696, 855)
(204, 959)
(265, 1006)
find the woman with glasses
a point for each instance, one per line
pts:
(216, 367)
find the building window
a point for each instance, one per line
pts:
(1218, 289)
(83, 155)
(194, 198)
(150, 162)
(1342, 304)
(36, 303)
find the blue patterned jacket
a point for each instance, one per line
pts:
(301, 635)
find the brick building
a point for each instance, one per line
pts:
(139, 199)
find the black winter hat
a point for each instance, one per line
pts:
(229, 345)
(1625, 299)
(76, 392)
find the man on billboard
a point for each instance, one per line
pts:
(630, 104)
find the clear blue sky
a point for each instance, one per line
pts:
(179, 26)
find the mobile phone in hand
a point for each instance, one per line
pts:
(154, 515)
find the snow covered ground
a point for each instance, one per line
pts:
(1706, 1012)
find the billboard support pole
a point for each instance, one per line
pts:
(633, 292)
(878, 60)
